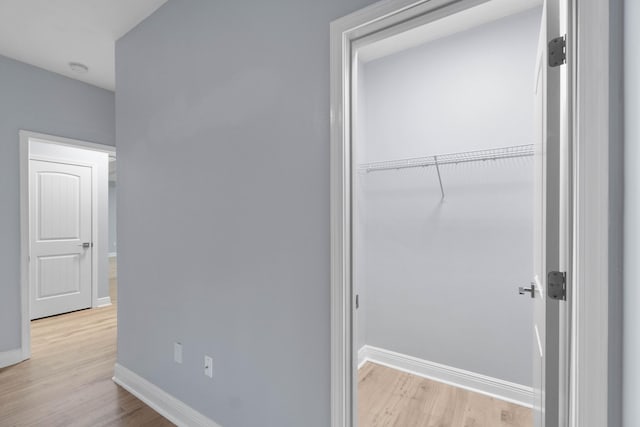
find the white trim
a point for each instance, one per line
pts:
(631, 291)
(162, 402)
(103, 302)
(24, 138)
(11, 357)
(25, 314)
(477, 383)
(75, 143)
(113, 255)
(590, 295)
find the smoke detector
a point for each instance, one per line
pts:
(78, 68)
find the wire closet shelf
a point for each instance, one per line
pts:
(451, 158)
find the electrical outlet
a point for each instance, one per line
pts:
(208, 366)
(177, 352)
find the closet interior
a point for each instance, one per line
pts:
(443, 193)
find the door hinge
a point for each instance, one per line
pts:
(558, 51)
(357, 301)
(557, 285)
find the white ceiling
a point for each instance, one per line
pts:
(51, 33)
(370, 50)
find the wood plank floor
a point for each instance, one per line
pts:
(387, 397)
(67, 381)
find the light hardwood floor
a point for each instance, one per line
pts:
(387, 397)
(67, 381)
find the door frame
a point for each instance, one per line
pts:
(25, 138)
(595, 158)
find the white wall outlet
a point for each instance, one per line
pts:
(177, 352)
(208, 366)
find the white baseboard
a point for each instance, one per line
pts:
(500, 389)
(104, 302)
(362, 356)
(11, 357)
(162, 402)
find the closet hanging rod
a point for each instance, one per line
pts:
(451, 158)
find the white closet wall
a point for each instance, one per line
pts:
(438, 278)
(360, 212)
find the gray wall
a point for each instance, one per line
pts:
(113, 242)
(631, 214)
(223, 173)
(440, 277)
(37, 100)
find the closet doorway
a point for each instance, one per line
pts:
(443, 227)
(450, 173)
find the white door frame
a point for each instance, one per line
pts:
(25, 289)
(589, 53)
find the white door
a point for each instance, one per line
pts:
(551, 227)
(60, 237)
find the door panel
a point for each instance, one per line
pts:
(539, 343)
(550, 107)
(60, 222)
(57, 275)
(58, 199)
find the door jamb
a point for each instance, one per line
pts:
(588, 360)
(25, 137)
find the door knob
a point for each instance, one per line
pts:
(531, 290)
(86, 245)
